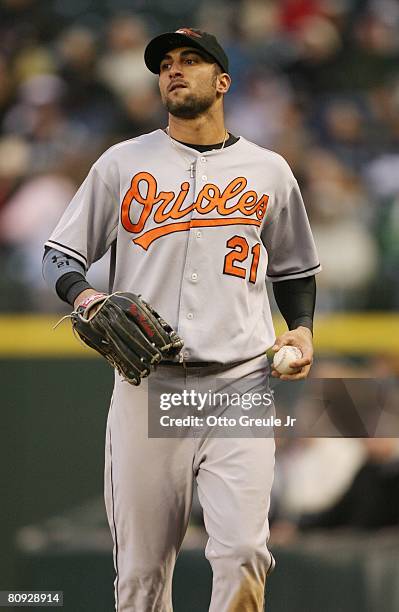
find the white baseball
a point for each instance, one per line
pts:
(284, 357)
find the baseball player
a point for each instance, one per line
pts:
(197, 220)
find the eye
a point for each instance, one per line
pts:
(165, 66)
(190, 61)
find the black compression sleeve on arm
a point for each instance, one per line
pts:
(70, 285)
(296, 300)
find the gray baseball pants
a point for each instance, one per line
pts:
(148, 495)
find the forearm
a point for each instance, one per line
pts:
(66, 276)
(296, 300)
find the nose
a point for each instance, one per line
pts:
(175, 70)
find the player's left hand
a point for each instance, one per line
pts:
(127, 331)
(303, 339)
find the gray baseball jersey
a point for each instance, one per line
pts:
(196, 234)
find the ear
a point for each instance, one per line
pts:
(223, 83)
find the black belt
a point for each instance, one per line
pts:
(192, 364)
(207, 364)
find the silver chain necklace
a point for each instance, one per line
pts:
(191, 169)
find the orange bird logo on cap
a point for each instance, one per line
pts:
(188, 32)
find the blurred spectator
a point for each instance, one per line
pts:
(382, 175)
(142, 111)
(6, 86)
(369, 502)
(345, 133)
(293, 138)
(340, 214)
(26, 23)
(316, 59)
(372, 499)
(301, 485)
(261, 107)
(87, 100)
(122, 66)
(38, 116)
(14, 165)
(30, 214)
(294, 13)
(31, 61)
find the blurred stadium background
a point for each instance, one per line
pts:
(318, 82)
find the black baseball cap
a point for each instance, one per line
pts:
(183, 37)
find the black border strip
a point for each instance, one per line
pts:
(114, 523)
(64, 246)
(292, 273)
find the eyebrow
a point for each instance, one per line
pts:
(184, 54)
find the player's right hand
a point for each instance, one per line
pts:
(303, 339)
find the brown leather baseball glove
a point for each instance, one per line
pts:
(127, 331)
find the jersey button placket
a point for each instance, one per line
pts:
(189, 296)
(203, 161)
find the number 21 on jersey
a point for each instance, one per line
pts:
(240, 253)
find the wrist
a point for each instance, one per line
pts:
(305, 330)
(84, 295)
(76, 288)
(303, 323)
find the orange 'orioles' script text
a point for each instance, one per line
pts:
(167, 206)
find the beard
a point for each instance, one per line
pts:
(191, 107)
